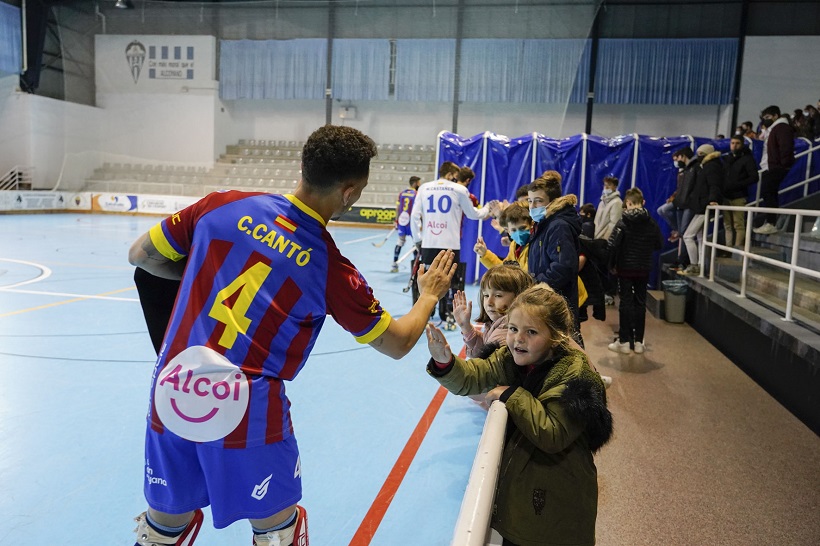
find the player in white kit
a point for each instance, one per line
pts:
(436, 223)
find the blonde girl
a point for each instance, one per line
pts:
(547, 489)
(499, 287)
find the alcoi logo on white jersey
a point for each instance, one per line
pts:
(259, 491)
(200, 395)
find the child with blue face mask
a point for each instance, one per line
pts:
(515, 219)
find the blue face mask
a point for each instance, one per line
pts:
(538, 213)
(520, 237)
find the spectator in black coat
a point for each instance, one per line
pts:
(740, 173)
(635, 237)
(706, 190)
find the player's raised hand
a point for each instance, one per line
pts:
(436, 279)
(462, 311)
(480, 247)
(437, 344)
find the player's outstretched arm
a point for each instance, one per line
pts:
(403, 333)
(144, 254)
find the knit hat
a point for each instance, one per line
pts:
(705, 149)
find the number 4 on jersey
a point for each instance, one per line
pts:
(234, 318)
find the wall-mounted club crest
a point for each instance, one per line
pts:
(135, 55)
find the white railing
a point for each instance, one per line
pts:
(746, 253)
(805, 183)
(17, 176)
(473, 524)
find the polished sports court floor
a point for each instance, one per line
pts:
(701, 455)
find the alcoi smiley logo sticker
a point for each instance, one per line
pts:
(200, 395)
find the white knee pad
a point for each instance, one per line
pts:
(296, 534)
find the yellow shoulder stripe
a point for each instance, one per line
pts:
(377, 330)
(162, 244)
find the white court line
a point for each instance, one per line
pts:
(363, 239)
(67, 295)
(44, 273)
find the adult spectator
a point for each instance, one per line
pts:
(748, 129)
(553, 255)
(259, 274)
(705, 191)
(609, 209)
(685, 162)
(674, 210)
(778, 157)
(813, 117)
(741, 172)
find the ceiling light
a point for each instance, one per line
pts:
(123, 4)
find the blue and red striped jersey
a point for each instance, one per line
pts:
(405, 201)
(262, 274)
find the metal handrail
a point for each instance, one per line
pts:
(18, 174)
(747, 255)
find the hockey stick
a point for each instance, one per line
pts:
(386, 237)
(413, 272)
(405, 255)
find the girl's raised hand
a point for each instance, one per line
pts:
(480, 247)
(437, 344)
(462, 311)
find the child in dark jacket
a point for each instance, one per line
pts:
(634, 239)
(547, 491)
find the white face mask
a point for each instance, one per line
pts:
(607, 192)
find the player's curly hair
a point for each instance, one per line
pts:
(551, 308)
(335, 154)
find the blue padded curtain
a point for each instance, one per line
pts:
(425, 70)
(361, 69)
(10, 39)
(685, 71)
(272, 69)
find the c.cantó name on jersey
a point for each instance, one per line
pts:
(264, 234)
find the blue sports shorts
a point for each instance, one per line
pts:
(251, 483)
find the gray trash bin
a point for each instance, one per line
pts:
(674, 300)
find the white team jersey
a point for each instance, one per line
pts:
(437, 211)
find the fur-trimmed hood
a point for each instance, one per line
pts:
(710, 157)
(557, 204)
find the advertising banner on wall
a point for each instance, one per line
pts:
(163, 204)
(33, 200)
(113, 202)
(153, 64)
(370, 215)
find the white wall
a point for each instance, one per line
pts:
(783, 71)
(177, 128)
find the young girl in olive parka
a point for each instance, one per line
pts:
(547, 492)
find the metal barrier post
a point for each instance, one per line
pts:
(714, 247)
(703, 240)
(747, 246)
(792, 273)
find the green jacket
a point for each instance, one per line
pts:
(547, 491)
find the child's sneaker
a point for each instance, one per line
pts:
(607, 381)
(619, 347)
(609, 300)
(639, 347)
